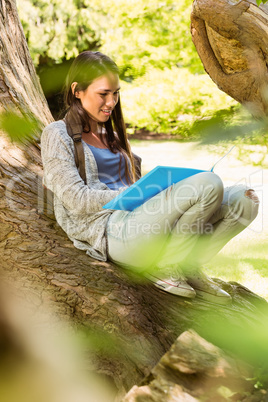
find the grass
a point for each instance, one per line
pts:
(245, 262)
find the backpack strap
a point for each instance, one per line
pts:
(75, 130)
(137, 164)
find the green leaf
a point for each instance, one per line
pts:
(19, 128)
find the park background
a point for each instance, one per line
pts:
(174, 112)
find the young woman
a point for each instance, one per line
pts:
(170, 236)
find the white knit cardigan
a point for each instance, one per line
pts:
(78, 207)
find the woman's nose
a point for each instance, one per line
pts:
(111, 100)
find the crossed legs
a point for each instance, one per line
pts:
(183, 226)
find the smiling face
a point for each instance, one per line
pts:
(100, 97)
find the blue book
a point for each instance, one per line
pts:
(158, 179)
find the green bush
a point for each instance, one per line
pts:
(171, 100)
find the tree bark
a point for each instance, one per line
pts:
(20, 89)
(194, 370)
(231, 38)
(140, 321)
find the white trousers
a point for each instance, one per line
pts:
(186, 224)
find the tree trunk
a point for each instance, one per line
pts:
(231, 38)
(36, 255)
(20, 88)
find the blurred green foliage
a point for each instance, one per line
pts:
(57, 29)
(144, 34)
(235, 126)
(164, 86)
(136, 33)
(151, 43)
(20, 128)
(171, 100)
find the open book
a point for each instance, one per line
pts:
(158, 179)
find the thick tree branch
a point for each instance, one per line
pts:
(231, 39)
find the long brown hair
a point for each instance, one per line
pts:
(86, 67)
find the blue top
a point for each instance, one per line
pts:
(108, 167)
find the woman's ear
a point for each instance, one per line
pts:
(75, 93)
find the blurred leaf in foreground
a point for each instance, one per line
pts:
(227, 125)
(19, 128)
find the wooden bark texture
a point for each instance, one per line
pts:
(193, 370)
(231, 38)
(38, 258)
(20, 89)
